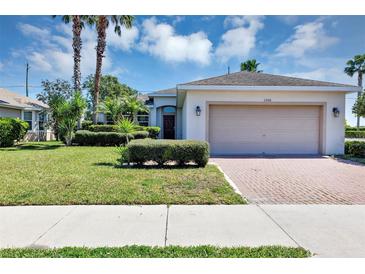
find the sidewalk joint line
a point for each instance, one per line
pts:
(56, 223)
(275, 222)
(167, 223)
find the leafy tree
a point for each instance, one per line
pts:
(69, 112)
(250, 66)
(133, 106)
(109, 87)
(53, 94)
(102, 23)
(356, 66)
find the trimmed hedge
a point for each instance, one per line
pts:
(86, 124)
(11, 130)
(162, 151)
(89, 138)
(355, 148)
(140, 134)
(355, 134)
(104, 128)
(354, 129)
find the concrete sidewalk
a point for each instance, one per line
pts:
(326, 230)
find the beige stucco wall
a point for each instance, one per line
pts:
(195, 127)
(10, 112)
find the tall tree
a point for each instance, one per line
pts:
(53, 94)
(102, 23)
(77, 25)
(356, 65)
(250, 65)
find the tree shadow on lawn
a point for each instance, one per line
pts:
(145, 166)
(33, 146)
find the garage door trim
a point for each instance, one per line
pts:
(322, 111)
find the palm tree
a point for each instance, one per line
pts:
(356, 65)
(133, 106)
(250, 65)
(113, 106)
(77, 25)
(102, 23)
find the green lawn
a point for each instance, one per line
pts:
(49, 173)
(158, 252)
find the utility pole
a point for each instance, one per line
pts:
(26, 81)
(228, 70)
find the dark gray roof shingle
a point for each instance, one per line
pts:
(244, 78)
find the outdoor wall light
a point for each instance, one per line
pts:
(336, 112)
(198, 111)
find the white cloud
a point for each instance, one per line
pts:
(53, 54)
(39, 62)
(1, 66)
(160, 40)
(239, 41)
(307, 37)
(33, 31)
(124, 42)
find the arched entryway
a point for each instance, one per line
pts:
(168, 122)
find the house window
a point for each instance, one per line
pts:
(169, 109)
(41, 121)
(142, 120)
(28, 117)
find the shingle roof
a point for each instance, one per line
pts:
(12, 99)
(167, 91)
(244, 78)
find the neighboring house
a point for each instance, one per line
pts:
(254, 113)
(32, 111)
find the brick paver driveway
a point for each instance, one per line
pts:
(296, 180)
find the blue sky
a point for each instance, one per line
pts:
(161, 51)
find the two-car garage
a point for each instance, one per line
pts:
(264, 129)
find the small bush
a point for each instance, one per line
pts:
(152, 131)
(355, 148)
(162, 151)
(140, 134)
(355, 134)
(11, 130)
(89, 138)
(85, 125)
(104, 128)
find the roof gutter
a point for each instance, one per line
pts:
(348, 89)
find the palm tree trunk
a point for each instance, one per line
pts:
(100, 48)
(359, 83)
(76, 45)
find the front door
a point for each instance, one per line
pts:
(169, 126)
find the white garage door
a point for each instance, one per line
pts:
(238, 129)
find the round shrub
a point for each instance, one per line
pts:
(11, 130)
(162, 151)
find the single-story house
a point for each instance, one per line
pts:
(254, 113)
(33, 111)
